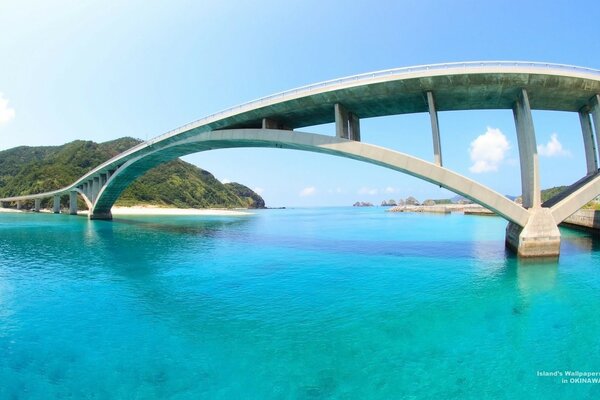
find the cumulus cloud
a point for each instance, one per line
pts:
(6, 113)
(390, 189)
(259, 190)
(369, 191)
(225, 180)
(553, 148)
(488, 151)
(308, 191)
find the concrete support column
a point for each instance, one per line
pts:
(84, 189)
(103, 179)
(347, 124)
(341, 121)
(37, 205)
(56, 205)
(95, 188)
(19, 204)
(353, 127)
(588, 141)
(73, 203)
(268, 123)
(595, 110)
(435, 130)
(540, 236)
(530, 176)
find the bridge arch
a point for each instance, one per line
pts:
(231, 138)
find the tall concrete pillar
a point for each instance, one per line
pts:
(37, 205)
(73, 203)
(341, 121)
(85, 189)
(19, 204)
(591, 157)
(95, 188)
(56, 205)
(435, 130)
(540, 236)
(530, 176)
(353, 127)
(595, 110)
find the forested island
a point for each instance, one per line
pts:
(27, 170)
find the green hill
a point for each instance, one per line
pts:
(26, 170)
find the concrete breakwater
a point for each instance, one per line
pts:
(474, 209)
(586, 219)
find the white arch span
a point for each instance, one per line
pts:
(387, 158)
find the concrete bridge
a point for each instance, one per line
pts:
(274, 122)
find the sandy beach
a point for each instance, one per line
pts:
(153, 210)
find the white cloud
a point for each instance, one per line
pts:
(369, 191)
(553, 148)
(488, 151)
(308, 191)
(6, 113)
(259, 190)
(225, 180)
(390, 189)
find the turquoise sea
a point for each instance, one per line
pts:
(331, 303)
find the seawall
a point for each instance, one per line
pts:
(584, 219)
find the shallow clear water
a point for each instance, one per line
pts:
(291, 304)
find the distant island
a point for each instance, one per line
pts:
(460, 200)
(25, 170)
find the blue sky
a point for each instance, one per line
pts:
(100, 70)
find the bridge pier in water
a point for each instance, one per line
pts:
(56, 204)
(539, 238)
(103, 216)
(73, 203)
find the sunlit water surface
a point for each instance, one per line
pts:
(339, 303)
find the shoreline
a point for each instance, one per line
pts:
(152, 210)
(155, 210)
